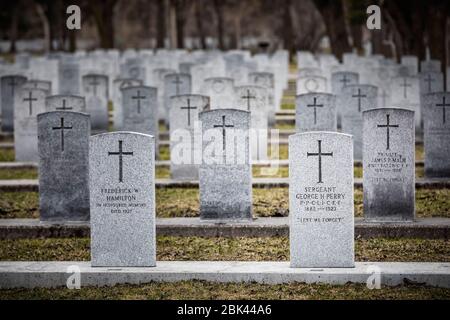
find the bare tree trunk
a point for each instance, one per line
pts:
(199, 22)
(238, 31)
(160, 24)
(45, 25)
(13, 29)
(172, 23)
(333, 16)
(218, 7)
(59, 14)
(418, 27)
(288, 35)
(181, 19)
(104, 17)
(357, 37)
(437, 31)
(72, 40)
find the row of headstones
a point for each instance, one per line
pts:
(399, 91)
(222, 91)
(138, 112)
(318, 112)
(322, 111)
(113, 63)
(63, 143)
(373, 69)
(400, 85)
(224, 166)
(67, 71)
(122, 191)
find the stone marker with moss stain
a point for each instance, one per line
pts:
(388, 164)
(63, 140)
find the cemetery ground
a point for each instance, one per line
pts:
(184, 202)
(227, 249)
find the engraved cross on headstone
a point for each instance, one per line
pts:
(120, 153)
(443, 105)
(223, 126)
(138, 98)
(248, 97)
(64, 106)
(94, 83)
(177, 83)
(30, 100)
(62, 128)
(315, 106)
(189, 108)
(405, 85)
(429, 80)
(359, 96)
(388, 125)
(13, 83)
(319, 154)
(344, 80)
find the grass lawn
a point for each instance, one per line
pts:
(200, 290)
(164, 173)
(227, 249)
(242, 249)
(184, 202)
(7, 155)
(287, 106)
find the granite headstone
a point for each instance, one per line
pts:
(225, 173)
(9, 87)
(388, 164)
(437, 134)
(122, 200)
(254, 99)
(321, 214)
(185, 135)
(65, 103)
(315, 112)
(356, 99)
(117, 87)
(29, 103)
(63, 144)
(95, 89)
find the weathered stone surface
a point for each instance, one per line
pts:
(122, 200)
(10, 85)
(355, 99)
(95, 90)
(321, 200)
(185, 135)
(63, 143)
(437, 134)
(225, 172)
(316, 112)
(389, 164)
(65, 103)
(29, 103)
